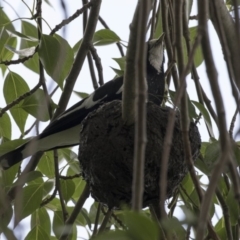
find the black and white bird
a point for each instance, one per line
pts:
(64, 130)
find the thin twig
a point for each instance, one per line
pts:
(80, 57)
(89, 57)
(20, 60)
(70, 177)
(19, 99)
(153, 20)
(166, 5)
(49, 199)
(224, 137)
(105, 221)
(98, 64)
(58, 187)
(140, 138)
(225, 214)
(169, 132)
(41, 69)
(97, 219)
(233, 123)
(70, 19)
(226, 51)
(68, 224)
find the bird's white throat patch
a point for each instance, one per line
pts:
(155, 56)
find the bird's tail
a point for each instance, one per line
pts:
(15, 156)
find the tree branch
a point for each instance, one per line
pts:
(82, 52)
(140, 138)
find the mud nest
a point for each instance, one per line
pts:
(106, 154)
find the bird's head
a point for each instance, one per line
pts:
(155, 56)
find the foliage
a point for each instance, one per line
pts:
(49, 194)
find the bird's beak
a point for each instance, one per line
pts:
(160, 40)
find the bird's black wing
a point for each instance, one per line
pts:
(110, 91)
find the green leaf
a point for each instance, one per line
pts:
(105, 37)
(158, 28)
(80, 220)
(198, 57)
(201, 165)
(206, 115)
(8, 176)
(58, 223)
(191, 109)
(81, 94)
(54, 205)
(77, 46)
(47, 187)
(121, 62)
(236, 150)
(5, 126)
(18, 34)
(233, 207)
(25, 52)
(140, 227)
(32, 176)
(30, 31)
(212, 154)
(11, 145)
(71, 157)
(189, 4)
(6, 211)
(93, 212)
(118, 72)
(15, 86)
(223, 187)
(68, 188)
(79, 184)
(5, 24)
(113, 234)
(221, 229)
(173, 226)
(31, 197)
(36, 105)
(187, 184)
(56, 56)
(40, 218)
(46, 164)
(37, 233)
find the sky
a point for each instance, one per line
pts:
(118, 15)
